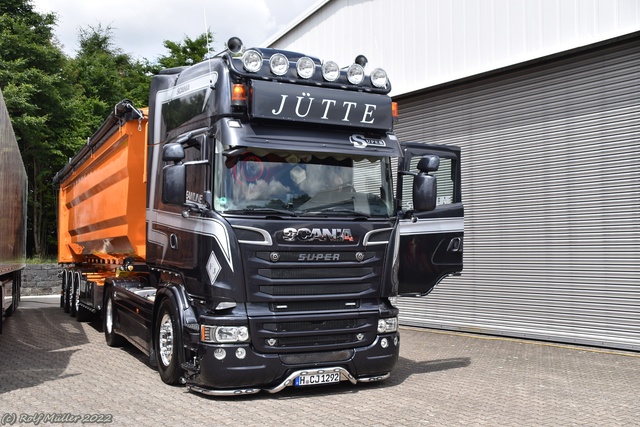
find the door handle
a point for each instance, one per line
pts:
(173, 241)
(455, 245)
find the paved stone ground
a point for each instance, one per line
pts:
(51, 364)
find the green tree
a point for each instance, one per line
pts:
(187, 52)
(37, 97)
(104, 75)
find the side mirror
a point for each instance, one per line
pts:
(425, 189)
(425, 186)
(174, 184)
(173, 152)
(429, 164)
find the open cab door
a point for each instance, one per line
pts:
(432, 221)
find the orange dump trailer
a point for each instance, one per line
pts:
(102, 196)
(101, 208)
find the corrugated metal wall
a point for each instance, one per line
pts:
(423, 43)
(551, 187)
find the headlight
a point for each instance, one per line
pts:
(387, 325)
(379, 78)
(305, 67)
(252, 61)
(279, 64)
(355, 74)
(224, 334)
(330, 71)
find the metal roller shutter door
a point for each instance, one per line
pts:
(551, 186)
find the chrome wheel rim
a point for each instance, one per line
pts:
(165, 339)
(76, 292)
(108, 318)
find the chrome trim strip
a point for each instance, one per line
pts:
(267, 237)
(365, 240)
(431, 226)
(289, 381)
(344, 376)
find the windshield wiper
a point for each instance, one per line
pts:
(263, 211)
(338, 210)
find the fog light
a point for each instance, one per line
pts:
(355, 74)
(330, 71)
(305, 67)
(241, 353)
(279, 64)
(219, 353)
(396, 341)
(252, 61)
(384, 343)
(379, 78)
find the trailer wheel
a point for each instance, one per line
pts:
(64, 279)
(66, 292)
(112, 339)
(166, 344)
(9, 311)
(75, 289)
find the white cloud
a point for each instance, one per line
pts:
(139, 28)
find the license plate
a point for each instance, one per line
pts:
(315, 379)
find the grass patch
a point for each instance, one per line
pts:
(42, 260)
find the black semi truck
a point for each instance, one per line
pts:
(283, 218)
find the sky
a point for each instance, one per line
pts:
(139, 27)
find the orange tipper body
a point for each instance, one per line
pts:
(102, 196)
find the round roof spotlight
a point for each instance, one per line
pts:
(305, 67)
(330, 71)
(279, 64)
(252, 61)
(355, 74)
(379, 78)
(234, 44)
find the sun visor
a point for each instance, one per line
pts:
(235, 133)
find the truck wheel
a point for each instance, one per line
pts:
(166, 344)
(66, 293)
(64, 279)
(112, 339)
(9, 311)
(75, 288)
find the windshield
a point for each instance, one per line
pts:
(293, 183)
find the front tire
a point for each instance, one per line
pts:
(166, 344)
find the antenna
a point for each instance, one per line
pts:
(209, 53)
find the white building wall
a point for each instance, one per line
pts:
(422, 43)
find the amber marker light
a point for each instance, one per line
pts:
(239, 93)
(394, 110)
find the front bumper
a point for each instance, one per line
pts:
(232, 376)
